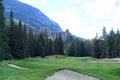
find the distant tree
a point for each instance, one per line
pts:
(50, 47)
(25, 41)
(116, 45)
(104, 33)
(13, 36)
(4, 48)
(58, 45)
(31, 43)
(96, 47)
(104, 43)
(20, 41)
(88, 47)
(40, 45)
(110, 43)
(2, 17)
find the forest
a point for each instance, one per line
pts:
(17, 41)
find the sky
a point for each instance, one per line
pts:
(83, 18)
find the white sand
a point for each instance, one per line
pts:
(18, 67)
(69, 75)
(116, 59)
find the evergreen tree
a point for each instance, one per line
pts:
(96, 47)
(58, 45)
(20, 44)
(31, 43)
(104, 43)
(110, 42)
(4, 48)
(13, 37)
(2, 17)
(116, 45)
(25, 41)
(50, 47)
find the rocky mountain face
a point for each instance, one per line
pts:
(29, 15)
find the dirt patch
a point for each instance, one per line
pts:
(107, 60)
(88, 60)
(18, 67)
(69, 75)
(54, 56)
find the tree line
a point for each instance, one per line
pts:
(108, 45)
(18, 41)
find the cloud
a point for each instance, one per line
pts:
(100, 9)
(69, 18)
(43, 2)
(77, 1)
(83, 18)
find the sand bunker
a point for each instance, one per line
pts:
(116, 59)
(69, 75)
(104, 60)
(18, 67)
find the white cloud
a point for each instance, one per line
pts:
(100, 9)
(97, 10)
(69, 18)
(43, 2)
(77, 1)
(97, 28)
(116, 14)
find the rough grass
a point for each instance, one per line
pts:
(39, 69)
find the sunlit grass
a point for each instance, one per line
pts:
(39, 69)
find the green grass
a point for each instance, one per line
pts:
(39, 69)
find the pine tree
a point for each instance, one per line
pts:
(50, 47)
(116, 45)
(20, 44)
(110, 43)
(13, 36)
(96, 47)
(60, 45)
(2, 17)
(104, 43)
(4, 48)
(31, 43)
(25, 41)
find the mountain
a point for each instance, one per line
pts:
(76, 37)
(29, 15)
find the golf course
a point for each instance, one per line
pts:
(41, 68)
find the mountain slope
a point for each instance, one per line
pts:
(29, 15)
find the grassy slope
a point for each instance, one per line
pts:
(41, 68)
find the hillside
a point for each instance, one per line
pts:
(29, 15)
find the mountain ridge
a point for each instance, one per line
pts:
(30, 15)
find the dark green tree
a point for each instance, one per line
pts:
(104, 43)
(96, 47)
(110, 43)
(4, 48)
(58, 45)
(20, 41)
(25, 41)
(31, 43)
(116, 45)
(13, 36)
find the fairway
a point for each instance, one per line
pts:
(39, 69)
